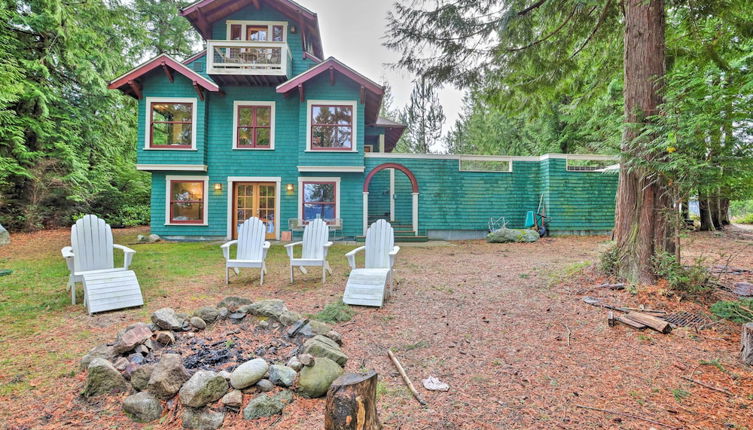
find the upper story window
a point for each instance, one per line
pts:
(170, 123)
(253, 125)
(332, 126)
(259, 31)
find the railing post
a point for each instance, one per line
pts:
(415, 213)
(365, 212)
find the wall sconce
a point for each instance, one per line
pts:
(218, 186)
(293, 29)
(289, 188)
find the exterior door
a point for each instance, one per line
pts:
(254, 199)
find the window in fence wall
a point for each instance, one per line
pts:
(477, 165)
(578, 165)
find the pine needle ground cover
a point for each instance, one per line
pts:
(517, 349)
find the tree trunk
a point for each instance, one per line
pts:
(746, 344)
(642, 226)
(351, 403)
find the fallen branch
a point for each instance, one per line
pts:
(568, 333)
(703, 384)
(405, 378)
(635, 417)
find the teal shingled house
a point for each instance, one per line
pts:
(261, 124)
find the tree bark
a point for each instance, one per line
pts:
(351, 403)
(642, 226)
(746, 344)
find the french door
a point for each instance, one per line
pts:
(254, 199)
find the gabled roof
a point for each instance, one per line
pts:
(203, 13)
(124, 82)
(371, 92)
(392, 133)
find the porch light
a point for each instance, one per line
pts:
(289, 188)
(218, 186)
(293, 29)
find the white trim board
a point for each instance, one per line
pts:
(351, 103)
(271, 105)
(491, 157)
(177, 167)
(337, 169)
(170, 178)
(302, 179)
(148, 126)
(231, 179)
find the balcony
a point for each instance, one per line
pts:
(241, 62)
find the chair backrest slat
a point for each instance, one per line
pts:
(251, 237)
(315, 236)
(380, 240)
(91, 240)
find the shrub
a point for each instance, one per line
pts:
(691, 279)
(335, 312)
(608, 261)
(740, 311)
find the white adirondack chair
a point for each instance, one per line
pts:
(251, 249)
(315, 246)
(91, 251)
(366, 286)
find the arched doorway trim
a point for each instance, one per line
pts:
(400, 167)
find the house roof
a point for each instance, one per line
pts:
(371, 92)
(392, 133)
(128, 82)
(195, 57)
(203, 13)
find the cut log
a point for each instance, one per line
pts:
(746, 347)
(628, 322)
(651, 321)
(351, 403)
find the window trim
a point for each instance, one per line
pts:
(169, 179)
(318, 179)
(484, 159)
(269, 24)
(351, 103)
(271, 105)
(148, 123)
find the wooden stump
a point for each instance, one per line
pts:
(351, 403)
(746, 347)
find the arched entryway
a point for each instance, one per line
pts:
(414, 192)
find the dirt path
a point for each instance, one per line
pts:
(518, 349)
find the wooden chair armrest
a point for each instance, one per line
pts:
(351, 256)
(226, 248)
(393, 254)
(265, 249)
(127, 254)
(67, 252)
(289, 248)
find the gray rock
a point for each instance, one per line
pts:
(237, 316)
(142, 407)
(165, 337)
(198, 323)
(295, 364)
(131, 338)
(263, 405)
(152, 238)
(306, 359)
(248, 373)
(232, 303)
(505, 235)
(265, 385)
(272, 308)
(134, 358)
(168, 376)
(233, 399)
(318, 327)
(263, 324)
(142, 349)
(225, 374)
(208, 313)
(204, 387)
(222, 313)
(202, 419)
(99, 351)
(140, 376)
(281, 375)
(320, 346)
(103, 378)
(121, 363)
(314, 381)
(148, 344)
(4, 236)
(285, 396)
(167, 319)
(334, 336)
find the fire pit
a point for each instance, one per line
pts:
(237, 356)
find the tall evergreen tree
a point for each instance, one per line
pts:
(424, 117)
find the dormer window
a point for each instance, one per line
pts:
(257, 31)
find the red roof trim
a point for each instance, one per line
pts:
(312, 57)
(157, 62)
(330, 63)
(298, 8)
(194, 57)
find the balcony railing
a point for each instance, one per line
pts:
(241, 57)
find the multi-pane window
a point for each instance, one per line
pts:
(332, 127)
(258, 31)
(187, 202)
(254, 127)
(319, 200)
(171, 125)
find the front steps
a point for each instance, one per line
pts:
(403, 232)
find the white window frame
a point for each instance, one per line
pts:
(148, 122)
(269, 24)
(168, 180)
(351, 103)
(484, 159)
(302, 179)
(238, 103)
